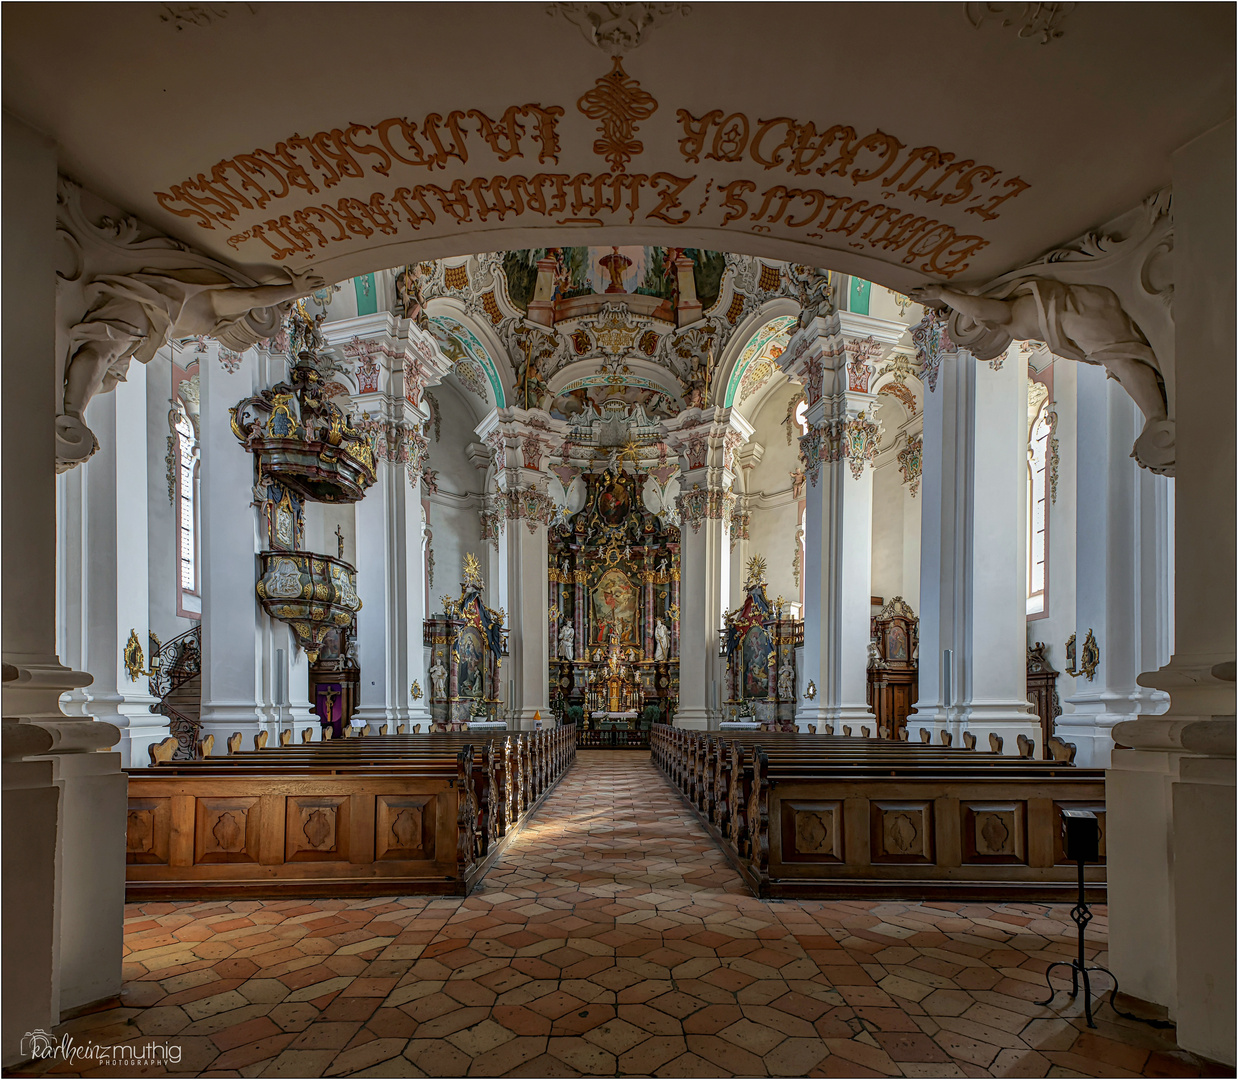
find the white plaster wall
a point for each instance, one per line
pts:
(321, 520)
(453, 511)
(888, 531)
(774, 509)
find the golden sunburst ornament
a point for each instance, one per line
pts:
(472, 571)
(756, 572)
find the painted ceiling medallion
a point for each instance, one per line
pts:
(617, 29)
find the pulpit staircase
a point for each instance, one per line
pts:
(176, 680)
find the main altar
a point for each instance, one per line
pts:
(614, 588)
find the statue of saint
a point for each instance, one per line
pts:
(134, 315)
(786, 682)
(1078, 322)
(567, 642)
(662, 641)
(438, 679)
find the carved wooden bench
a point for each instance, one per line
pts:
(388, 814)
(820, 817)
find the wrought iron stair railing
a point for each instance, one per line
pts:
(173, 665)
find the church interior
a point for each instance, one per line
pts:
(777, 626)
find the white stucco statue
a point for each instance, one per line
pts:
(786, 682)
(438, 679)
(567, 642)
(134, 315)
(662, 641)
(1078, 322)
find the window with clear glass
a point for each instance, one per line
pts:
(801, 417)
(186, 503)
(1038, 512)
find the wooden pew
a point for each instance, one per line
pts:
(820, 817)
(393, 814)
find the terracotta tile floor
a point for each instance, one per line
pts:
(611, 939)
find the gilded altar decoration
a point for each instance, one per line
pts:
(414, 691)
(312, 593)
(303, 440)
(614, 686)
(1089, 659)
(1088, 656)
(758, 643)
(619, 104)
(135, 662)
(468, 641)
(810, 691)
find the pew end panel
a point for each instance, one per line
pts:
(964, 839)
(267, 836)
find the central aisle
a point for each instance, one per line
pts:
(611, 938)
(614, 828)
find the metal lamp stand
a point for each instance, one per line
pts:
(1081, 834)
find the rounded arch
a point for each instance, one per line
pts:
(451, 324)
(733, 356)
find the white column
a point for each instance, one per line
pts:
(837, 454)
(1121, 570)
(528, 601)
(943, 520)
(704, 567)
(415, 593)
(64, 793)
(709, 443)
(523, 581)
(994, 669)
(105, 569)
(388, 553)
(233, 623)
(1170, 798)
(389, 550)
(973, 588)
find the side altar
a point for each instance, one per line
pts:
(614, 588)
(759, 645)
(467, 643)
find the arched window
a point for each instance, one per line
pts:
(801, 417)
(1040, 433)
(186, 500)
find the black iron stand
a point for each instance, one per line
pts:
(1080, 969)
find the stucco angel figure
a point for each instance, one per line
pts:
(567, 642)
(438, 679)
(662, 641)
(134, 315)
(1078, 322)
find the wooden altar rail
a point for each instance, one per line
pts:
(823, 817)
(396, 814)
